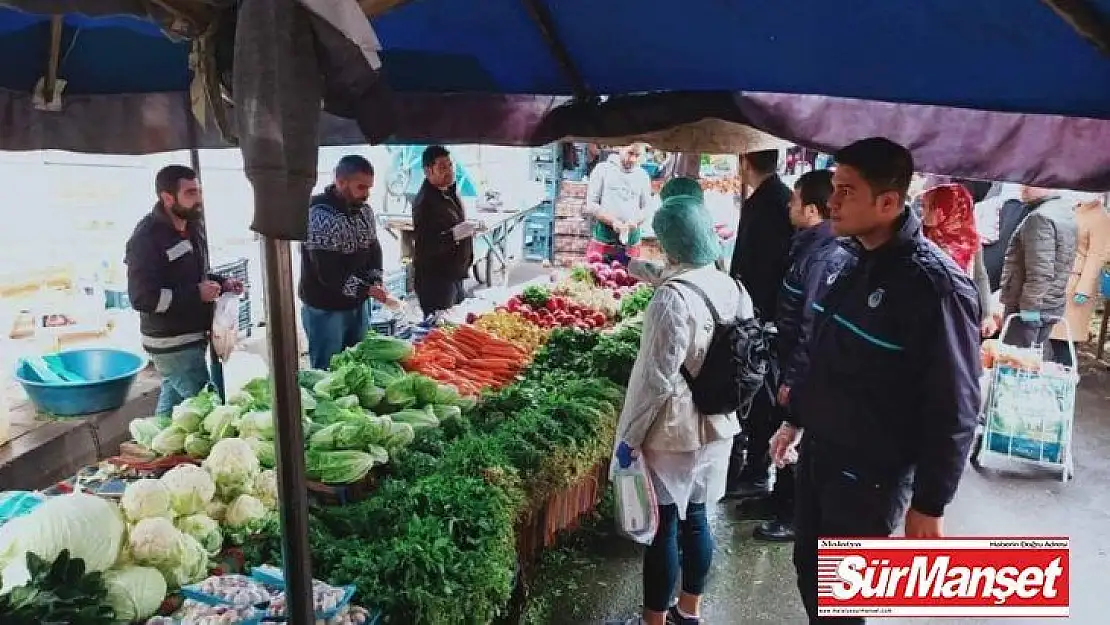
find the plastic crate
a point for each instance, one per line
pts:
(538, 237)
(238, 269)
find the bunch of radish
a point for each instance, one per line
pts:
(558, 312)
(613, 276)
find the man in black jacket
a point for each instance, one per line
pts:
(760, 261)
(889, 401)
(341, 263)
(444, 247)
(168, 282)
(816, 258)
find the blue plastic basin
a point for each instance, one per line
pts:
(108, 375)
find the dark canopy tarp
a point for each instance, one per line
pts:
(1004, 91)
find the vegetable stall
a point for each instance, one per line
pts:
(438, 470)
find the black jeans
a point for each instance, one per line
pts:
(436, 294)
(751, 457)
(836, 498)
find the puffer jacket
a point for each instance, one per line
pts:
(816, 258)
(1039, 259)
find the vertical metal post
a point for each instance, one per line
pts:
(217, 368)
(277, 267)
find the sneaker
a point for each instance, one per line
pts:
(674, 618)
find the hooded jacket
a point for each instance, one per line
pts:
(1039, 259)
(892, 388)
(816, 258)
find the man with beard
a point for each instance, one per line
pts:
(169, 284)
(341, 263)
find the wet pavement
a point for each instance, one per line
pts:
(753, 583)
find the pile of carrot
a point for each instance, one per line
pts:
(467, 358)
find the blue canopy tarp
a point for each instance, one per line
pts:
(1005, 91)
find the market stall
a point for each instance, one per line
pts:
(438, 469)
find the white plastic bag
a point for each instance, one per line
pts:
(636, 504)
(225, 326)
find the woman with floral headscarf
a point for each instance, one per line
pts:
(948, 218)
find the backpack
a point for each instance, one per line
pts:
(737, 362)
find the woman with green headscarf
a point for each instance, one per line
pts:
(681, 185)
(686, 452)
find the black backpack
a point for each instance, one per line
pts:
(737, 362)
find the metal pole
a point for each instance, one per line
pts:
(277, 265)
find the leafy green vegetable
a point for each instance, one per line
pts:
(402, 393)
(417, 418)
(307, 378)
(347, 401)
(58, 592)
(637, 301)
(375, 348)
(338, 467)
(535, 296)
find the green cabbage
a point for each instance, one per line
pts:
(134, 592)
(90, 527)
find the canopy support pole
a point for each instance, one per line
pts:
(1085, 20)
(546, 24)
(56, 25)
(277, 267)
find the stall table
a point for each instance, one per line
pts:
(491, 240)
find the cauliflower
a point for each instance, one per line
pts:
(245, 510)
(217, 510)
(203, 528)
(156, 542)
(266, 489)
(146, 499)
(233, 467)
(220, 423)
(244, 517)
(191, 488)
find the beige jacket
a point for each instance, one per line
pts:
(659, 412)
(1091, 254)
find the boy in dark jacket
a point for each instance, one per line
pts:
(444, 247)
(816, 258)
(890, 399)
(170, 286)
(341, 263)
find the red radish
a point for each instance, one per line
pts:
(616, 264)
(471, 317)
(620, 276)
(616, 295)
(599, 319)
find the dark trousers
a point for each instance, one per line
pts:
(436, 294)
(835, 498)
(751, 452)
